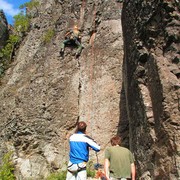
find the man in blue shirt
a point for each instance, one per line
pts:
(79, 153)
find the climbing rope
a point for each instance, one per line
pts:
(82, 12)
(91, 113)
(81, 64)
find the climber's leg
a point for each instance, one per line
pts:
(80, 47)
(62, 46)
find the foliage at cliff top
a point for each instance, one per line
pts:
(30, 5)
(22, 23)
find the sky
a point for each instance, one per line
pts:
(11, 8)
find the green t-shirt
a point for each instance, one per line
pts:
(120, 159)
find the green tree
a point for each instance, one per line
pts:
(8, 49)
(22, 23)
(7, 52)
(30, 5)
(21, 26)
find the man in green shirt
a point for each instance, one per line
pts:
(119, 162)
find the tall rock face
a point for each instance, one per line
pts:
(151, 84)
(3, 30)
(43, 95)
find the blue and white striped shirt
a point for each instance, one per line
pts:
(79, 147)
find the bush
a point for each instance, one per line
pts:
(7, 169)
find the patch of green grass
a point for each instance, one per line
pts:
(90, 169)
(7, 168)
(48, 36)
(57, 176)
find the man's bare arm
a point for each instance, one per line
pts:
(106, 168)
(133, 171)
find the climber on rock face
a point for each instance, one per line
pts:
(72, 37)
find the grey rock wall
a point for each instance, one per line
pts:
(151, 85)
(43, 96)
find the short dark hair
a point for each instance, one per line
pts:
(81, 126)
(116, 140)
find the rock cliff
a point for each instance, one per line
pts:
(151, 72)
(44, 95)
(124, 83)
(3, 29)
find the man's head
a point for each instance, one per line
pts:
(116, 140)
(75, 27)
(81, 126)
